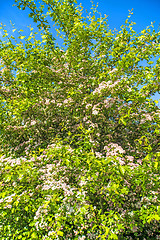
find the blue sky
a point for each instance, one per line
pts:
(144, 12)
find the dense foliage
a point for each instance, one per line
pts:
(80, 143)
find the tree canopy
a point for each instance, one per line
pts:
(79, 129)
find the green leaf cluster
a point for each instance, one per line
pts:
(79, 146)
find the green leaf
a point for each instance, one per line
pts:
(156, 165)
(60, 233)
(122, 169)
(21, 37)
(26, 208)
(123, 121)
(34, 235)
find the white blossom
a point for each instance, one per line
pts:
(33, 122)
(95, 112)
(113, 70)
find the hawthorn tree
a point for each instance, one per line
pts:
(82, 115)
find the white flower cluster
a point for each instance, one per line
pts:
(88, 105)
(11, 161)
(146, 117)
(67, 100)
(113, 71)
(95, 110)
(114, 149)
(33, 122)
(104, 85)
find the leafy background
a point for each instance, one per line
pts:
(79, 129)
